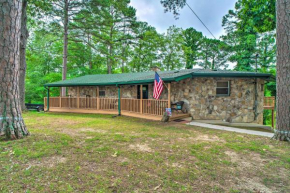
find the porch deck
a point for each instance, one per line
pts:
(115, 112)
(140, 108)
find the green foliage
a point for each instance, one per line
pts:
(192, 44)
(250, 39)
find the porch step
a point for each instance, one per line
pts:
(178, 116)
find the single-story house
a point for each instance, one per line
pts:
(232, 96)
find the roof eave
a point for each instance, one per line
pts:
(232, 75)
(176, 79)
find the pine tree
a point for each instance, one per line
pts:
(283, 71)
(11, 121)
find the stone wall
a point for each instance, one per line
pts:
(200, 97)
(127, 91)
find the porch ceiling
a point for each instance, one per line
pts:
(148, 77)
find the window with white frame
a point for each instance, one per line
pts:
(223, 88)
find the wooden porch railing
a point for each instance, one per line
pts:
(269, 103)
(149, 106)
(154, 107)
(145, 106)
(132, 105)
(108, 103)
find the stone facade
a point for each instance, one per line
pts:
(199, 95)
(128, 91)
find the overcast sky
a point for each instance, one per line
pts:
(210, 11)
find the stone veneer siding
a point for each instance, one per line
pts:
(128, 91)
(200, 94)
(200, 97)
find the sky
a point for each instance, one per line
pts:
(211, 13)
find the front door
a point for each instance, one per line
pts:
(145, 92)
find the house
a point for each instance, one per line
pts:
(231, 96)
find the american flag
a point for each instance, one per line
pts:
(158, 86)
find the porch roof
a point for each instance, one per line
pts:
(148, 77)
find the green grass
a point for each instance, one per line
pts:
(99, 153)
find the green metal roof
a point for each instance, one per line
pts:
(148, 77)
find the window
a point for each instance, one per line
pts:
(223, 88)
(102, 93)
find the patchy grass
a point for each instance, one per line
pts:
(98, 153)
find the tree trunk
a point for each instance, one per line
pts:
(110, 59)
(65, 44)
(283, 71)
(11, 122)
(90, 50)
(23, 42)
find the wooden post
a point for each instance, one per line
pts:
(119, 101)
(98, 98)
(60, 97)
(47, 99)
(273, 118)
(169, 95)
(141, 99)
(78, 97)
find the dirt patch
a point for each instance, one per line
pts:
(253, 184)
(93, 167)
(48, 162)
(79, 132)
(91, 130)
(70, 132)
(206, 138)
(122, 159)
(58, 122)
(253, 160)
(174, 165)
(140, 147)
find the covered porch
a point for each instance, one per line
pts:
(140, 107)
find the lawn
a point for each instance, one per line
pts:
(102, 153)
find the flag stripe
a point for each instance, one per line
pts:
(158, 86)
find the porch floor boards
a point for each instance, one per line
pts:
(115, 112)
